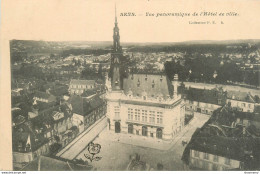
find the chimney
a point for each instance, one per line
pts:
(175, 85)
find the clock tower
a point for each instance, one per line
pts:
(116, 59)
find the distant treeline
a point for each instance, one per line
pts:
(75, 52)
(210, 70)
(193, 48)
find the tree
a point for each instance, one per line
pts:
(89, 74)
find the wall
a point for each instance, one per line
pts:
(207, 164)
(248, 107)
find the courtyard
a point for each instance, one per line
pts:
(117, 149)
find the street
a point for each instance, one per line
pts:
(76, 146)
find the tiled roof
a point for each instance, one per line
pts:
(205, 95)
(151, 85)
(44, 95)
(89, 92)
(217, 145)
(240, 96)
(227, 115)
(59, 91)
(22, 133)
(82, 82)
(43, 163)
(45, 117)
(83, 106)
(232, 143)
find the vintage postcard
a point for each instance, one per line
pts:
(147, 85)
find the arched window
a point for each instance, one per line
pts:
(144, 131)
(117, 127)
(130, 129)
(159, 133)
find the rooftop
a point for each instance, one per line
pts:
(213, 96)
(240, 96)
(43, 163)
(82, 82)
(148, 85)
(84, 106)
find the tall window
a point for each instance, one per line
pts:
(117, 111)
(215, 158)
(227, 161)
(130, 114)
(144, 115)
(130, 129)
(206, 156)
(144, 131)
(152, 116)
(196, 153)
(159, 118)
(137, 114)
(159, 133)
(196, 163)
(205, 165)
(215, 167)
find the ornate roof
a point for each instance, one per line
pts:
(148, 84)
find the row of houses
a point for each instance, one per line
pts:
(51, 125)
(34, 136)
(205, 101)
(228, 141)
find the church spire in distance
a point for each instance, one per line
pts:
(115, 15)
(115, 68)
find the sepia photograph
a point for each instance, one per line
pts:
(128, 101)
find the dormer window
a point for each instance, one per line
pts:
(138, 83)
(28, 147)
(116, 82)
(153, 84)
(145, 77)
(161, 79)
(20, 146)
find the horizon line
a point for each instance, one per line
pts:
(185, 41)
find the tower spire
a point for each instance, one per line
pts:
(115, 15)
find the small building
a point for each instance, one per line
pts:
(79, 86)
(203, 101)
(228, 141)
(55, 123)
(27, 145)
(243, 101)
(86, 111)
(44, 97)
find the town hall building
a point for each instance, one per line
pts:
(142, 104)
